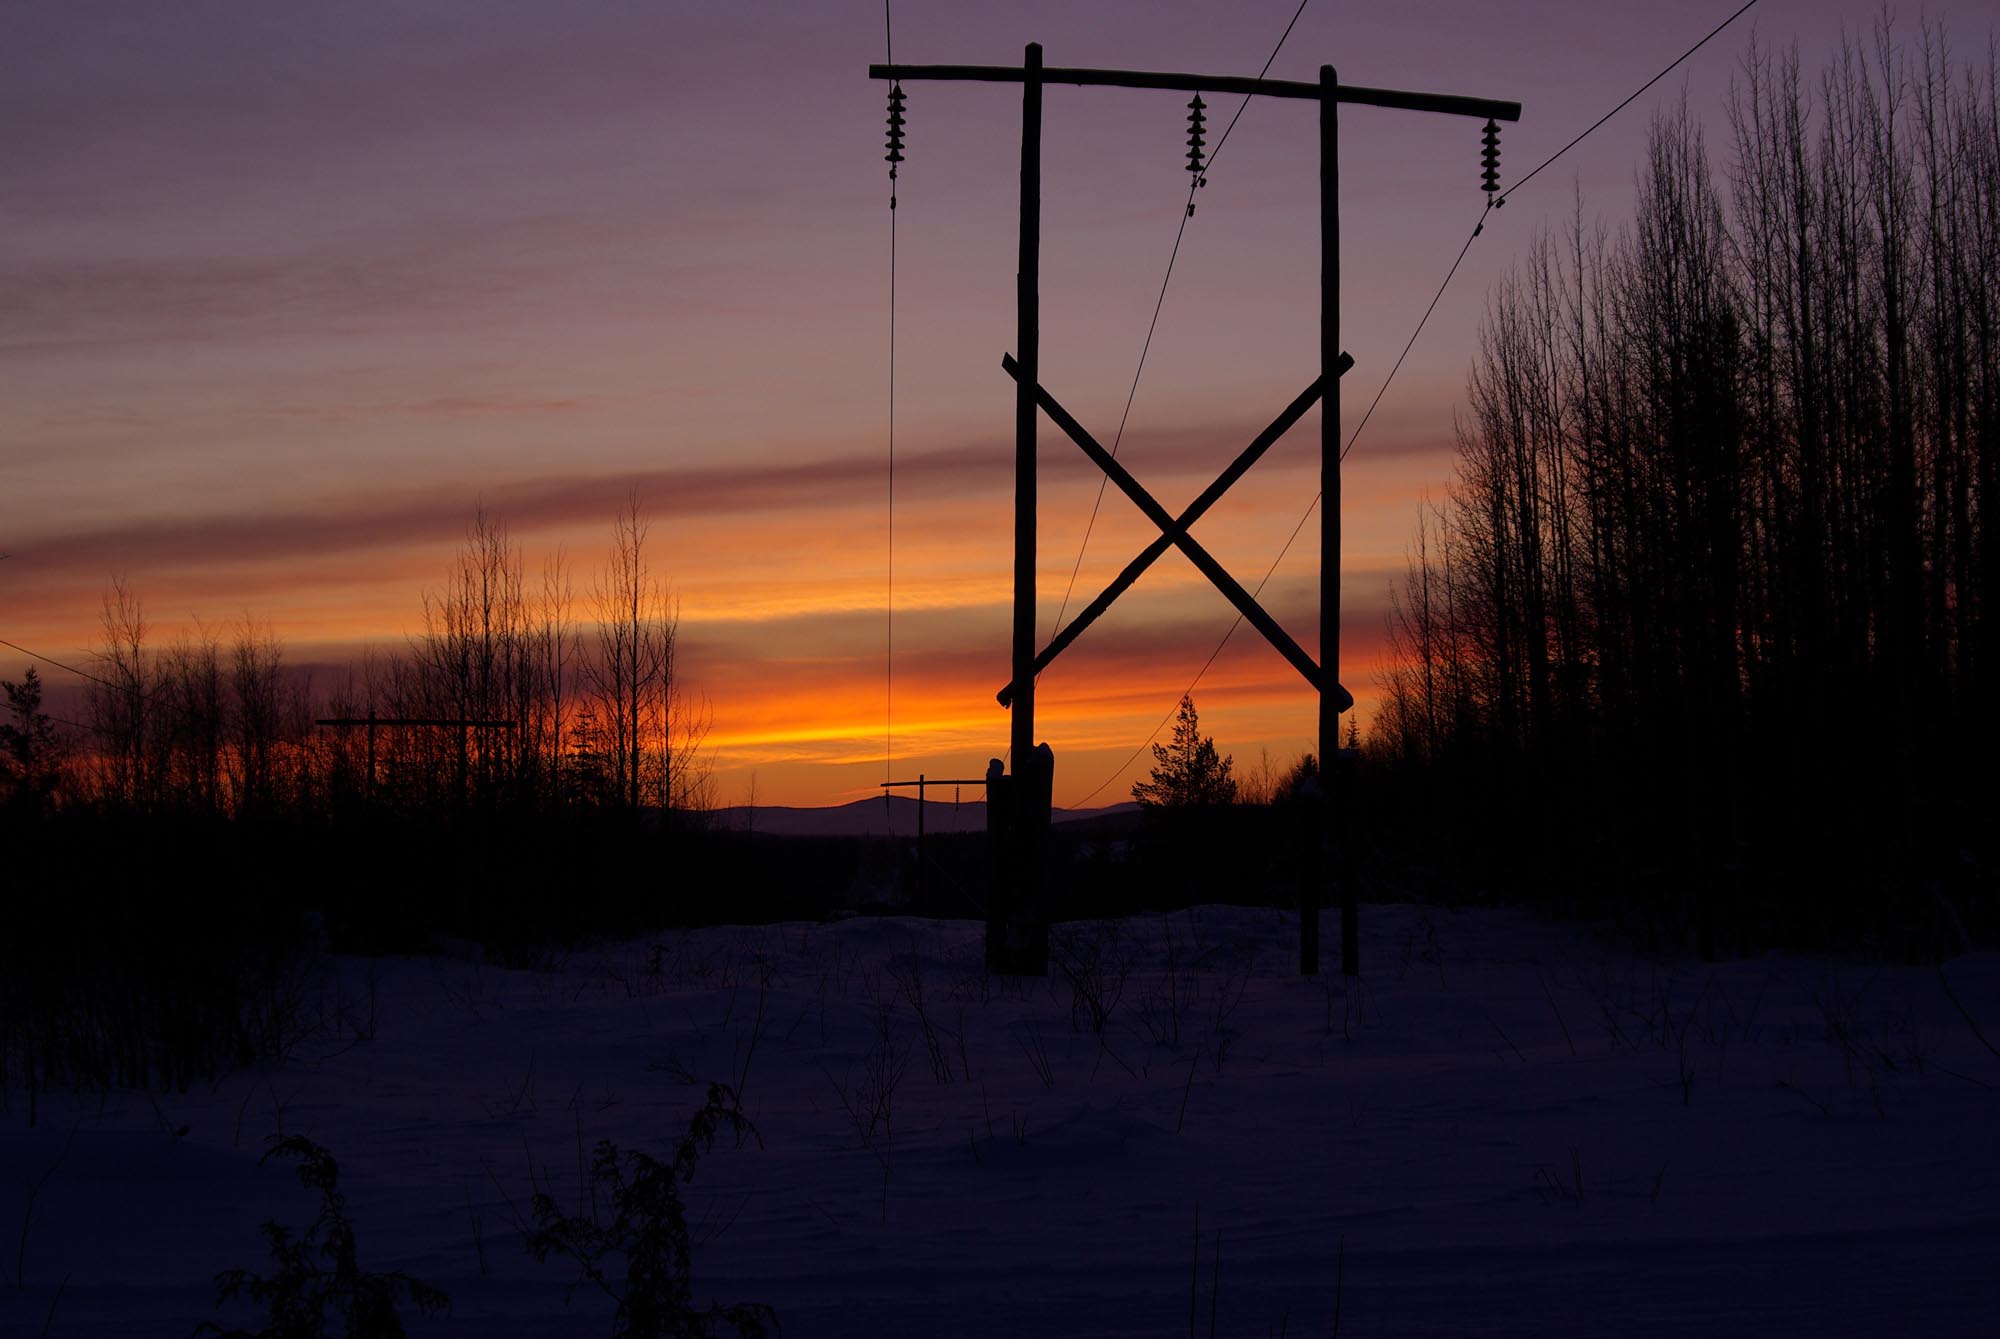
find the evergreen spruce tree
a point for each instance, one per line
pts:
(30, 750)
(1187, 772)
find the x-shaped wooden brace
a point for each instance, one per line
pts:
(1174, 532)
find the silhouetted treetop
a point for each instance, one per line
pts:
(1187, 773)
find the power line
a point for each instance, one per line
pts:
(1199, 179)
(1628, 101)
(889, 613)
(1478, 226)
(1269, 61)
(1410, 343)
(51, 660)
(1307, 515)
(1206, 664)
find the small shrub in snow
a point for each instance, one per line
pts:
(649, 1232)
(908, 973)
(1164, 1001)
(870, 1101)
(319, 1288)
(1095, 963)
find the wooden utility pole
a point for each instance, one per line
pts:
(1017, 908)
(1333, 789)
(1017, 893)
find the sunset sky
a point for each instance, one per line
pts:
(289, 288)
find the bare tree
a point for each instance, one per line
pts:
(631, 676)
(120, 700)
(1721, 483)
(469, 663)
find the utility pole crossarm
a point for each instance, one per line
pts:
(1449, 104)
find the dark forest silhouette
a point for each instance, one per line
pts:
(180, 854)
(1705, 624)
(582, 700)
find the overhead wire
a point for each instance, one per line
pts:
(1479, 224)
(80, 673)
(51, 660)
(889, 612)
(1205, 665)
(1478, 227)
(1630, 100)
(1199, 179)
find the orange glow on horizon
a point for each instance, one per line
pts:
(790, 673)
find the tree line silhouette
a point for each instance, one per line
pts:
(177, 856)
(1705, 623)
(531, 701)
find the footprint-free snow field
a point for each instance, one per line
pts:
(1504, 1127)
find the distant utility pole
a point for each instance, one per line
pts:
(1018, 887)
(923, 783)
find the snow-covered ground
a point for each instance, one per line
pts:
(1504, 1128)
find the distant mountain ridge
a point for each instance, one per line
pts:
(893, 817)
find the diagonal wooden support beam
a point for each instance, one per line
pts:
(1250, 455)
(1186, 543)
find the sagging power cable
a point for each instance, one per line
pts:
(1493, 202)
(1198, 179)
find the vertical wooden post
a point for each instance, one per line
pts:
(1335, 782)
(1027, 345)
(1025, 863)
(920, 839)
(371, 755)
(1341, 794)
(1332, 799)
